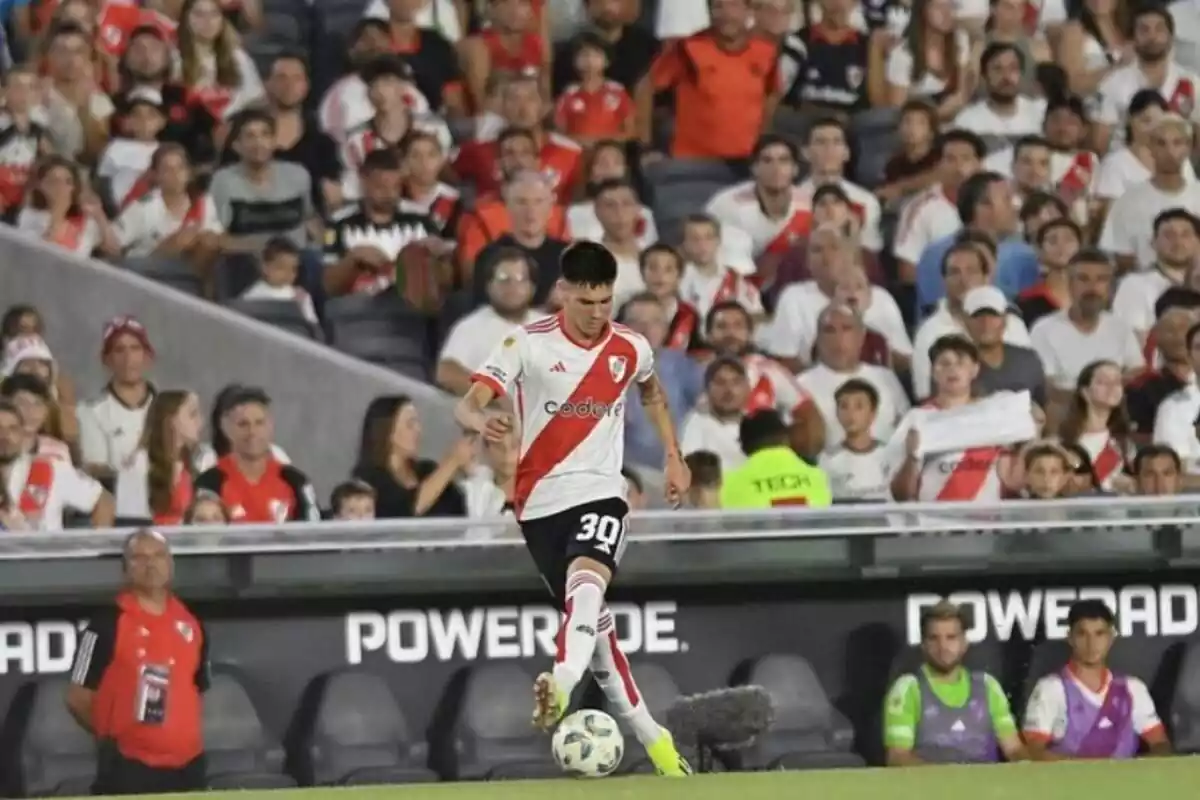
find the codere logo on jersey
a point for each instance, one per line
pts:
(586, 408)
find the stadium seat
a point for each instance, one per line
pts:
(986, 656)
(1185, 705)
(57, 757)
(283, 314)
(382, 329)
(360, 737)
(234, 273)
(492, 738)
(176, 274)
(672, 171)
(808, 732)
(659, 691)
(240, 753)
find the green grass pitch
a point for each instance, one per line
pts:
(1144, 779)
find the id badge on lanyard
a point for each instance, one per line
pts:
(154, 682)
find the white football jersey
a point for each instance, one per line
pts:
(571, 402)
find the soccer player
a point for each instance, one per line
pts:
(571, 373)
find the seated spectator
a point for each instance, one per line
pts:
(1030, 170)
(279, 270)
(59, 211)
(352, 500)
(39, 488)
(1005, 111)
(662, 272)
(220, 426)
(706, 280)
(910, 73)
(20, 320)
(979, 725)
(156, 483)
(839, 341)
(827, 151)
(914, 165)
(1067, 341)
(77, 110)
(436, 66)
(769, 206)
(1158, 471)
(471, 340)
(1131, 165)
(487, 480)
(1002, 366)
(256, 487)
(509, 45)
(854, 461)
(422, 159)
(1177, 248)
(605, 162)
(1175, 420)
(364, 240)
(27, 353)
(705, 491)
(1081, 480)
(146, 66)
(631, 46)
(964, 268)
(346, 104)
(1061, 719)
(617, 209)
(207, 508)
(1129, 228)
(1170, 370)
(126, 162)
(680, 376)
(1097, 420)
(715, 428)
(23, 137)
(405, 484)
(41, 415)
(387, 83)
(171, 221)
(1093, 45)
(773, 474)
(885, 340)
(1057, 243)
(218, 73)
(448, 17)
(1047, 472)
(594, 109)
(110, 426)
(527, 220)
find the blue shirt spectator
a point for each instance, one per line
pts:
(681, 377)
(985, 204)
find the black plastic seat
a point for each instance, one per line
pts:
(57, 757)
(239, 752)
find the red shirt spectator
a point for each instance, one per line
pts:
(593, 107)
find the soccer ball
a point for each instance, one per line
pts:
(588, 744)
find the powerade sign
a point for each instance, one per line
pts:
(496, 632)
(1148, 611)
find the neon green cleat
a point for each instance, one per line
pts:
(666, 759)
(550, 704)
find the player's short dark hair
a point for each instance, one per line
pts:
(723, 306)
(348, 490)
(953, 343)
(660, 247)
(1175, 297)
(1156, 450)
(705, 466)
(964, 247)
(515, 132)
(997, 49)
(1153, 9)
(945, 611)
(762, 428)
(858, 386)
(769, 140)
(631, 475)
(278, 246)
(504, 255)
(1172, 214)
(826, 122)
(720, 363)
(386, 160)
(387, 66)
(1039, 201)
(23, 382)
(586, 263)
(973, 192)
(1061, 222)
(1082, 610)
(960, 136)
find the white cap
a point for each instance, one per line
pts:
(985, 298)
(146, 94)
(24, 348)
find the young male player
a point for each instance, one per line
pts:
(570, 374)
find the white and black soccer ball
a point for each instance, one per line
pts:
(588, 744)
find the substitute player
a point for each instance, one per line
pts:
(569, 375)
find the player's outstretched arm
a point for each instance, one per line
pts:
(654, 400)
(472, 415)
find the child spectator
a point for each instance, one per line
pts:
(705, 492)
(706, 280)
(1047, 470)
(594, 108)
(354, 500)
(856, 467)
(388, 80)
(126, 162)
(207, 508)
(280, 268)
(662, 272)
(23, 140)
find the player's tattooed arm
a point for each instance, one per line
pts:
(658, 411)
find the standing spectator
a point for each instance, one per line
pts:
(1097, 420)
(434, 63)
(606, 161)
(219, 74)
(930, 62)
(828, 72)
(726, 85)
(631, 49)
(681, 379)
(40, 488)
(509, 45)
(405, 484)
(594, 108)
(1004, 113)
(1002, 366)
(156, 483)
(77, 109)
(1177, 247)
(1057, 243)
(387, 82)
(1067, 341)
(207, 508)
(1129, 229)
(1170, 368)
(1126, 167)
(278, 271)
(662, 272)
(138, 680)
(1158, 471)
(352, 500)
(345, 105)
(768, 206)
(58, 211)
(1175, 420)
(110, 427)
(714, 426)
(1064, 710)
(840, 334)
(255, 486)
(773, 474)
(707, 280)
(855, 463)
(827, 151)
(979, 725)
(510, 294)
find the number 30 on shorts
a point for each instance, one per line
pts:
(607, 533)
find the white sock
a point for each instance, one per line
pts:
(612, 672)
(577, 636)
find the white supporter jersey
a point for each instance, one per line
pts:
(925, 218)
(958, 476)
(571, 404)
(864, 205)
(1108, 459)
(702, 291)
(773, 386)
(738, 206)
(68, 488)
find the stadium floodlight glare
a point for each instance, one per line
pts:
(720, 721)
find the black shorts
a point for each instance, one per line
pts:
(118, 774)
(594, 530)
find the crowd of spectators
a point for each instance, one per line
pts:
(897, 216)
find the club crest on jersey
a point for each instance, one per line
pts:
(616, 367)
(854, 76)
